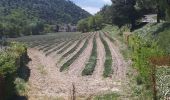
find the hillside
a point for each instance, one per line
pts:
(51, 11)
(33, 17)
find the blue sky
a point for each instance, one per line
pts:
(92, 6)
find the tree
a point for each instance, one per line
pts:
(83, 25)
(161, 7)
(99, 21)
(92, 23)
(106, 13)
(123, 12)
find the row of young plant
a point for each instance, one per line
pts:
(49, 47)
(55, 48)
(11, 60)
(41, 42)
(108, 61)
(70, 43)
(66, 45)
(50, 44)
(70, 61)
(109, 37)
(90, 66)
(75, 47)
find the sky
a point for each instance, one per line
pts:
(92, 6)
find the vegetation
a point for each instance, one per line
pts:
(146, 45)
(73, 49)
(126, 12)
(90, 66)
(142, 52)
(162, 76)
(70, 61)
(27, 17)
(108, 61)
(50, 11)
(11, 61)
(111, 96)
(92, 23)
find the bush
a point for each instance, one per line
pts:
(10, 61)
(20, 86)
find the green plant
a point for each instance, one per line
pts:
(90, 66)
(108, 61)
(21, 86)
(10, 61)
(70, 61)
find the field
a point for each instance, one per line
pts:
(79, 64)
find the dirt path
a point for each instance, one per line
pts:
(119, 65)
(98, 72)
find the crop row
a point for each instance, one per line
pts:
(90, 66)
(108, 61)
(70, 61)
(55, 48)
(66, 47)
(75, 47)
(51, 44)
(109, 37)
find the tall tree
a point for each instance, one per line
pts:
(124, 12)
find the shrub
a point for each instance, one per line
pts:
(10, 61)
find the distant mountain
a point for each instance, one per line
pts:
(50, 11)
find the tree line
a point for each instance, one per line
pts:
(122, 12)
(33, 17)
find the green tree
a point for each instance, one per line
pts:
(123, 12)
(92, 23)
(106, 13)
(83, 25)
(99, 21)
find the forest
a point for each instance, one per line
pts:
(30, 17)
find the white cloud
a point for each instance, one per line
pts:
(92, 10)
(107, 1)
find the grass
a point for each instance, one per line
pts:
(90, 66)
(108, 61)
(42, 70)
(69, 62)
(21, 87)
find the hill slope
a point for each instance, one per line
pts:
(51, 11)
